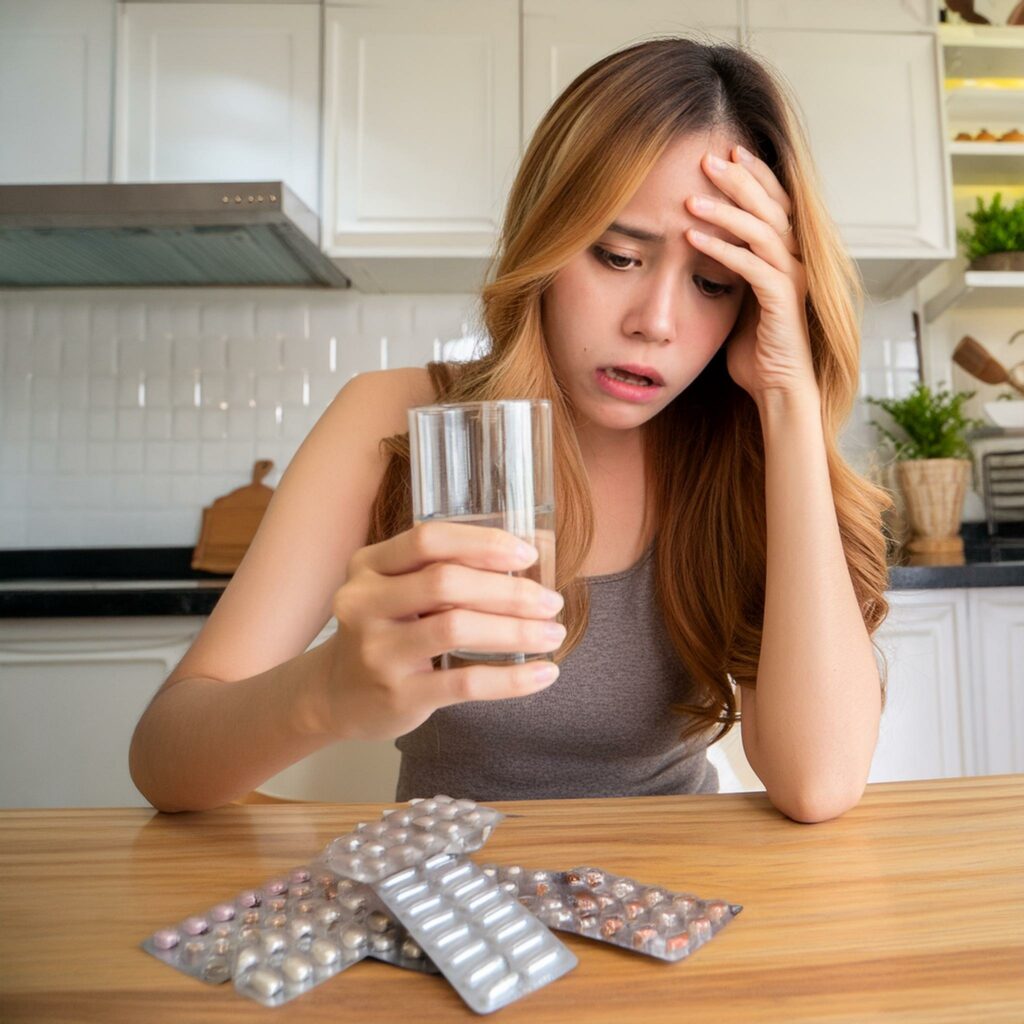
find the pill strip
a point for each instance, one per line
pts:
(406, 836)
(616, 909)
(489, 947)
(295, 931)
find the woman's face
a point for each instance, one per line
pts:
(642, 297)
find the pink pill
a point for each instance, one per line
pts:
(223, 912)
(195, 925)
(166, 938)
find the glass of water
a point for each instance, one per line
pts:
(489, 464)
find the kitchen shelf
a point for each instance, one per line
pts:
(982, 51)
(987, 163)
(978, 107)
(978, 288)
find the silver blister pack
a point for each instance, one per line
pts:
(616, 909)
(292, 932)
(489, 947)
(406, 836)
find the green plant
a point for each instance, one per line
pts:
(997, 228)
(933, 423)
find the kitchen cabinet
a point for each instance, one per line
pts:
(72, 691)
(997, 691)
(872, 108)
(865, 15)
(56, 89)
(219, 92)
(563, 37)
(421, 133)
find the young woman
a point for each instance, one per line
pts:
(668, 277)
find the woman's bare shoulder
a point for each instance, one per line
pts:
(384, 396)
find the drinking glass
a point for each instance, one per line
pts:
(489, 464)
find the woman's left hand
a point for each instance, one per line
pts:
(769, 349)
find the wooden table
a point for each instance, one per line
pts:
(910, 908)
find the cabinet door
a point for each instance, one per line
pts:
(871, 15)
(56, 83)
(924, 733)
(872, 109)
(421, 125)
(563, 37)
(997, 693)
(219, 92)
(72, 691)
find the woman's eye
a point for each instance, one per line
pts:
(614, 260)
(711, 288)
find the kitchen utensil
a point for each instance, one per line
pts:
(230, 523)
(973, 357)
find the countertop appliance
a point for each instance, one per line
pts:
(189, 233)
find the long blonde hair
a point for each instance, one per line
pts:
(704, 453)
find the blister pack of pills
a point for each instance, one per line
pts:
(612, 908)
(286, 936)
(407, 836)
(491, 949)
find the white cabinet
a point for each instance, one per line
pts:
(72, 691)
(219, 92)
(56, 84)
(997, 691)
(563, 37)
(421, 128)
(925, 730)
(872, 109)
(868, 15)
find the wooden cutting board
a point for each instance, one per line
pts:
(230, 523)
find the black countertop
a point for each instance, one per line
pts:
(81, 582)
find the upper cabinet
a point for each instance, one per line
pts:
(871, 103)
(421, 135)
(219, 92)
(864, 15)
(56, 87)
(561, 38)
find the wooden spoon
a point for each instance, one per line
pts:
(972, 356)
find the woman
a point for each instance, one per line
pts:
(664, 223)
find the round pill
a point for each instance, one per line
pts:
(411, 950)
(326, 916)
(324, 952)
(465, 805)
(685, 903)
(426, 806)
(301, 891)
(426, 841)
(248, 933)
(222, 931)
(623, 888)
(677, 943)
(296, 969)
(195, 926)
(700, 929)
(588, 922)
(513, 871)
(382, 943)
(223, 912)
(633, 908)
(274, 942)
(378, 922)
(548, 904)
(248, 899)
(352, 902)
(193, 951)
(584, 903)
(277, 904)
(247, 957)
(374, 850)
(425, 821)
(221, 947)
(275, 921)
(251, 917)
(510, 886)
(447, 812)
(375, 829)
(300, 927)
(611, 925)
(402, 855)
(345, 885)
(573, 878)
(264, 982)
(473, 818)
(643, 936)
(276, 886)
(217, 970)
(652, 897)
(300, 875)
(354, 937)
(665, 920)
(716, 910)
(305, 907)
(594, 878)
(374, 867)
(346, 844)
(166, 938)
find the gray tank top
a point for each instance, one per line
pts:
(603, 728)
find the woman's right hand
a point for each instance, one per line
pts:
(436, 587)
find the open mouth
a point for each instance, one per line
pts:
(629, 378)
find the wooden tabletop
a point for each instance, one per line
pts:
(910, 907)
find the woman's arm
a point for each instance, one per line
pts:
(810, 727)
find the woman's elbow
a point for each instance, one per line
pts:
(811, 804)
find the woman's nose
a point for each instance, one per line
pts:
(654, 309)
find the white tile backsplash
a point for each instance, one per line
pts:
(124, 412)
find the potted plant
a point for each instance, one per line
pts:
(933, 466)
(997, 239)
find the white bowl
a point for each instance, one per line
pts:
(1006, 414)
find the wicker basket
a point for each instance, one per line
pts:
(933, 490)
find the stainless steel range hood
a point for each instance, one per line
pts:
(239, 233)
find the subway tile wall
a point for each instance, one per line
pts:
(124, 412)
